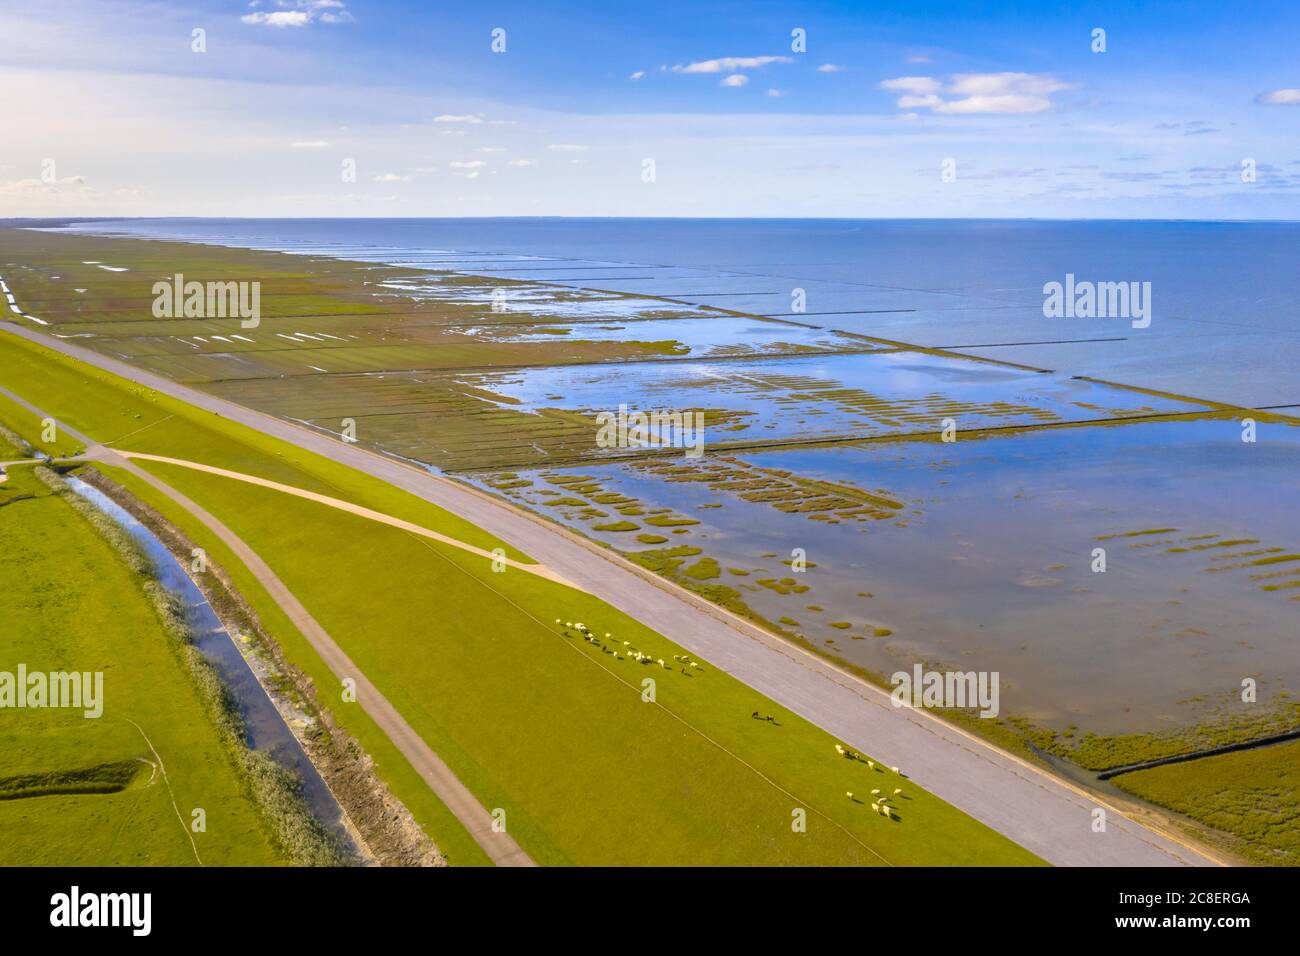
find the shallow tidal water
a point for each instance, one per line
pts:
(988, 564)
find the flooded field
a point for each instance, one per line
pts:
(979, 554)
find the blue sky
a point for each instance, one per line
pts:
(887, 110)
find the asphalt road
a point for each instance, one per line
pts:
(1038, 810)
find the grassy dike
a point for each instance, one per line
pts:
(541, 724)
(454, 843)
(79, 791)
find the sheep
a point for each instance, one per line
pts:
(871, 765)
(557, 620)
(897, 791)
(839, 750)
(875, 807)
(849, 794)
(895, 769)
(875, 792)
(693, 664)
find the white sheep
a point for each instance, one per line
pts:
(897, 791)
(849, 794)
(871, 765)
(875, 792)
(839, 749)
(895, 769)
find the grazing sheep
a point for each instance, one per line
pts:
(849, 794)
(895, 769)
(875, 792)
(871, 765)
(875, 807)
(693, 664)
(557, 620)
(897, 791)
(839, 750)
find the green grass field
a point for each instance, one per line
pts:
(542, 725)
(79, 791)
(1252, 795)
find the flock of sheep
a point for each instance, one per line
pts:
(629, 650)
(880, 803)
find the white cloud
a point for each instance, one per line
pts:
(310, 144)
(726, 64)
(522, 162)
(736, 79)
(391, 178)
(830, 68)
(995, 104)
(920, 85)
(567, 147)
(467, 164)
(1004, 84)
(977, 92)
(299, 13)
(471, 118)
(918, 58)
(774, 93)
(473, 175)
(637, 75)
(281, 18)
(491, 149)
(1287, 97)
